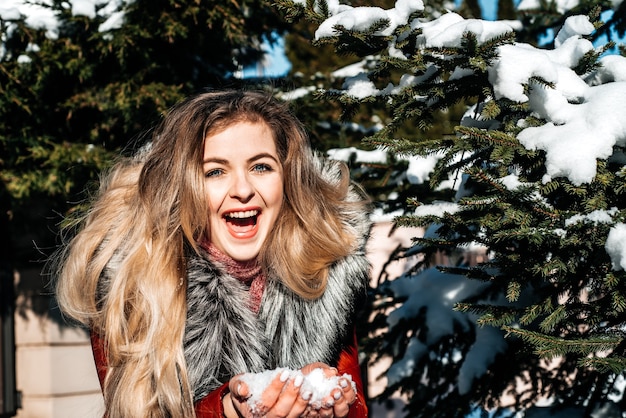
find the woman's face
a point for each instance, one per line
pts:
(244, 183)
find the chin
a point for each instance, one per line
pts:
(245, 255)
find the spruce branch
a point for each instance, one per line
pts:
(550, 347)
(611, 364)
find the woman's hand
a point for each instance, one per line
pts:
(280, 399)
(315, 391)
(337, 403)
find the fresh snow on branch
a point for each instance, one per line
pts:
(582, 124)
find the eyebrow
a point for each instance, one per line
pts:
(251, 159)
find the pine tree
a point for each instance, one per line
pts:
(313, 64)
(549, 300)
(76, 95)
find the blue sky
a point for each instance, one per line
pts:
(278, 64)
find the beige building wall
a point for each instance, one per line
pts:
(54, 365)
(55, 369)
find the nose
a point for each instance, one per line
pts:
(241, 188)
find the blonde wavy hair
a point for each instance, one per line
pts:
(123, 274)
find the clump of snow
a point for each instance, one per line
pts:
(351, 70)
(511, 182)
(612, 68)
(378, 156)
(39, 16)
(321, 386)
(616, 246)
(439, 209)
(258, 382)
(595, 217)
(447, 30)
(588, 132)
(574, 26)
(297, 93)
(420, 168)
(315, 384)
(114, 21)
(362, 18)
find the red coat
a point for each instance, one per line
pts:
(211, 405)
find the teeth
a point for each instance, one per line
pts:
(244, 214)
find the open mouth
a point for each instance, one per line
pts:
(242, 222)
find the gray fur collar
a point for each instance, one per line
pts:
(223, 337)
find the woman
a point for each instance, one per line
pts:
(225, 247)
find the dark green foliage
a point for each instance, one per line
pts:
(548, 282)
(69, 103)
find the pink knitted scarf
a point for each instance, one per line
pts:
(248, 272)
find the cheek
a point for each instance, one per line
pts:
(214, 197)
(274, 198)
(279, 203)
(279, 195)
(213, 208)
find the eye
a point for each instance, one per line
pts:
(261, 167)
(214, 173)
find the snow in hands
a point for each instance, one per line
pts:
(314, 385)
